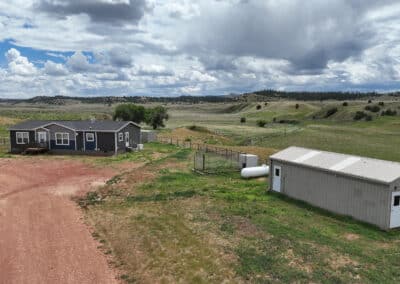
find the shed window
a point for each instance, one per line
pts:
(396, 200)
(22, 137)
(89, 137)
(62, 138)
(277, 172)
(120, 137)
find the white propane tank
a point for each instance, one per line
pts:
(255, 171)
(140, 147)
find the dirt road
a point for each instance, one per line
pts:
(42, 235)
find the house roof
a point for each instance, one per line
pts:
(361, 167)
(78, 125)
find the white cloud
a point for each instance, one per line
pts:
(78, 62)
(18, 64)
(56, 69)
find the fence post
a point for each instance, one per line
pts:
(204, 162)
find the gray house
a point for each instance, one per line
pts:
(79, 136)
(363, 188)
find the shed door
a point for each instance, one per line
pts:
(395, 212)
(127, 139)
(276, 179)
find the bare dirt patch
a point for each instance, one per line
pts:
(43, 237)
(351, 237)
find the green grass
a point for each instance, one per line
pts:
(210, 228)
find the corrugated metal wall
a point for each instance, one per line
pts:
(361, 199)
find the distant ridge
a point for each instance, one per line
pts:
(258, 96)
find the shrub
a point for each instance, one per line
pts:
(198, 128)
(297, 106)
(289, 121)
(258, 107)
(368, 117)
(265, 103)
(389, 112)
(369, 101)
(242, 120)
(331, 112)
(373, 108)
(359, 115)
(274, 119)
(261, 123)
(345, 104)
(381, 103)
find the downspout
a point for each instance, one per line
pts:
(116, 145)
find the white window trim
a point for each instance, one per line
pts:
(89, 135)
(121, 137)
(22, 137)
(62, 138)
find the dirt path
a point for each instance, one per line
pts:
(42, 235)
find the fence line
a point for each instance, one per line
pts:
(221, 151)
(4, 141)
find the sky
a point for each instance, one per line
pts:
(205, 47)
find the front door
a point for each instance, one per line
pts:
(90, 141)
(276, 179)
(42, 137)
(395, 210)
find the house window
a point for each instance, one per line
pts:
(396, 200)
(62, 138)
(90, 137)
(22, 137)
(121, 137)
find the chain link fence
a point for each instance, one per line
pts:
(209, 158)
(4, 144)
(212, 163)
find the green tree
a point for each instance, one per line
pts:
(156, 116)
(130, 112)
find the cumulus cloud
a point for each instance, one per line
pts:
(18, 64)
(55, 69)
(78, 62)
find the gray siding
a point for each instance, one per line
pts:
(134, 136)
(18, 148)
(358, 198)
(54, 128)
(106, 141)
(79, 141)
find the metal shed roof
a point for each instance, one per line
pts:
(366, 168)
(78, 125)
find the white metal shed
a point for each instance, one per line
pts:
(364, 188)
